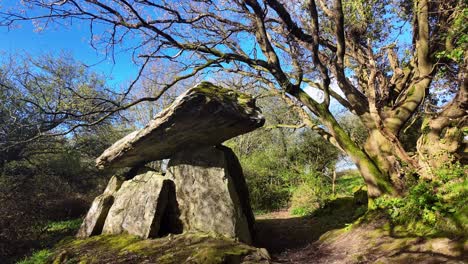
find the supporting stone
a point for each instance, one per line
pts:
(139, 206)
(94, 220)
(212, 193)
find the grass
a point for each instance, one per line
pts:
(348, 183)
(38, 257)
(64, 226)
(349, 186)
(52, 233)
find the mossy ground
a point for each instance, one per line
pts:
(185, 248)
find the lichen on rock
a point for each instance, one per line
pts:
(185, 248)
(97, 214)
(211, 192)
(205, 115)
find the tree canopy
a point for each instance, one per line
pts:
(391, 61)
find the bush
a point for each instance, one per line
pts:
(310, 195)
(348, 182)
(438, 206)
(266, 194)
(304, 201)
(267, 181)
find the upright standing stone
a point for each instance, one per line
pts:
(94, 220)
(212, 193)
(139, 206)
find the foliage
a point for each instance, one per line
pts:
(47, 95)
(315, 194)
(348, 183)
(310, 195)
(458, 38)
(340, 212)
(38, 257)
(432, 207)
(267, 180)
(46, 178)
(62, 226)
(277, 160)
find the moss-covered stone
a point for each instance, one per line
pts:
(224, 94)
(205, 115)
(185, 248)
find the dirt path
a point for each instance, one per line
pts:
(288, 238)
(285, 235)
(280, 232)
(292, 239)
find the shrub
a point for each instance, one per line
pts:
(438, 206)
(304, 201)
(310, 195)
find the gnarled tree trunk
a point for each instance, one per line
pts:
(443, 136)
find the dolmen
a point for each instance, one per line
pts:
(203, 189)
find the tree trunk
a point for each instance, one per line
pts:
(442, 141)
(382, 152)
(378, 183)
(333, 182)
(437, 148)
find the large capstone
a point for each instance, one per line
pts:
(205, 115)
(141, 207)
(94, 220)
(211, 192)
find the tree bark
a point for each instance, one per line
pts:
(378, 183)
(382, 152)
(442, 141)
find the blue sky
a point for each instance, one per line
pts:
(72, 39)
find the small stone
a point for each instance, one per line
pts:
(139, 206)
(94, 220)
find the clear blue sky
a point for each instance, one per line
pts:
(72, 39)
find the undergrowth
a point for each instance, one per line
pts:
(51, 234)
(38, 257)
(314, 194)
(437, 207)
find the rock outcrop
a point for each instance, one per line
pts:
(94, 220)
(205, 115)
(204, 189)
(211, 192)
(194, 248)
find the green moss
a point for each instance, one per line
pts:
(120, 242)
(197, 247)
(220, 252)
(224, 94)
(37, 257)
(332, 235)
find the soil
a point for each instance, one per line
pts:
(292, 239)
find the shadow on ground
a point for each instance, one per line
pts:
(280, 232)
(296, 239)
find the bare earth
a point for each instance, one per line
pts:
(291, 239)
